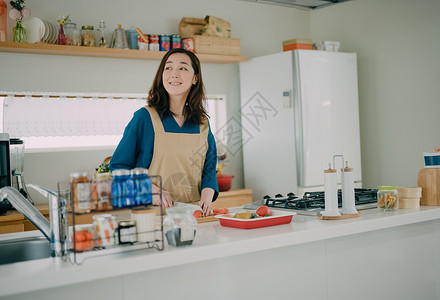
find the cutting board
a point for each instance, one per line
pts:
(429, 180)
(210, 218)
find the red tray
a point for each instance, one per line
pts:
(277, 218)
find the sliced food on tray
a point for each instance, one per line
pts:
(262, 217)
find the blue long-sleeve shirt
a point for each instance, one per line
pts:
(135, 150)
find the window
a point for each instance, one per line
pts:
(65, 122)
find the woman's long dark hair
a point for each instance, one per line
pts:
(159, 99)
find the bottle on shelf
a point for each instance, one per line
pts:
(3, 21)
(101, 30)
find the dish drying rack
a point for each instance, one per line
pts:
(77, 257)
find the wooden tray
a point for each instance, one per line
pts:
(341, 217)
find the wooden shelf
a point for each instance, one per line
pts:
(51, 49)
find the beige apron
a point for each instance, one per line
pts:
(179, 159)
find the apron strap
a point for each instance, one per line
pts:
(155, 119)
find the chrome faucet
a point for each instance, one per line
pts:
(57, 230)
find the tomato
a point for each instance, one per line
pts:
(264, 211)
(198, 214)
(220, 211)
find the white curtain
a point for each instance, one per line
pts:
(49, 114)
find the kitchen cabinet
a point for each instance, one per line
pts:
(13, 221)
(51, 49)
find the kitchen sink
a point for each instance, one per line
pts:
(23, 249)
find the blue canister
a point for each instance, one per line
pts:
(164, 42)
(142, 183)
(132, 36)
(175, 41)
(123, 190)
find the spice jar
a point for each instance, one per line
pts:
(73, 35)
(81, 192)
(88, 38)
(179, 226)
(387, 197)
(127, 232)
(103, 189)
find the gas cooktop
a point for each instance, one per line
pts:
(313, 203)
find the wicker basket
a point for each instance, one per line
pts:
(216, 45)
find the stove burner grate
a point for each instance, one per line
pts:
(316, 200)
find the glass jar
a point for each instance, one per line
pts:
(105, 229)
(179, 226)
(127, 232)
(88, 38)
(123, 190)
(80, 192)
(103, 188)
(142, 183)
(387, 197)
(73, 35)
(81, 237)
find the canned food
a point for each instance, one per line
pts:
(164, 42)
(154, 43)
(175, 41)
(127, 232)
(105, 230)
(188, 44)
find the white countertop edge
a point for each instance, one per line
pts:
(52, 272)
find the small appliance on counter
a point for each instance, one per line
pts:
(5, 169)
(17, 167)
(11, 168)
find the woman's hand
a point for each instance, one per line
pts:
(167, 200)
(206, 200)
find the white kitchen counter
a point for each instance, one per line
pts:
(227, 247)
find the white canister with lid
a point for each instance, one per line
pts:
(145, 224)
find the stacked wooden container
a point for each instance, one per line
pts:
(409, 197)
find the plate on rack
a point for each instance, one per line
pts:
(35, 29)
(54, 34)
(277, 218)
(46, 32)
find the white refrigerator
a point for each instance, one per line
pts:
(298, 109)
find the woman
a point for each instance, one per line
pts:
(171, 135)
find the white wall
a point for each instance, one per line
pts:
(261, 29)
(397, 43)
